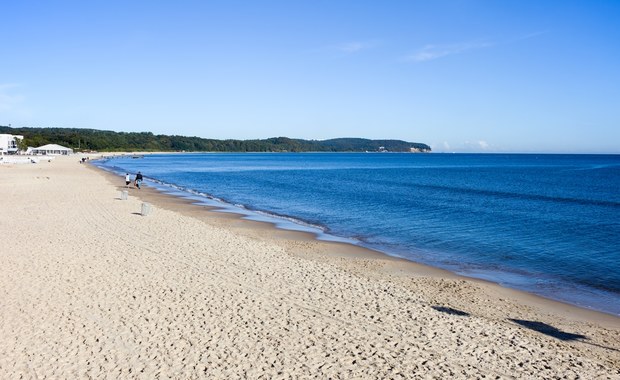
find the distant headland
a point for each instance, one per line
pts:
(110, 141)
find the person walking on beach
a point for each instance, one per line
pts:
(127, 180)
(138, 179)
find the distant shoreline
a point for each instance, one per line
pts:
(100, 140)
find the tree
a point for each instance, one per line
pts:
(21, 144)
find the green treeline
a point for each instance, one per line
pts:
(110, 141)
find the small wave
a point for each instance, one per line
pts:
(597, 167)
(279, 220)
(524, 196)
(292, 220)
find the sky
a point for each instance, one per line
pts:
(459, 75)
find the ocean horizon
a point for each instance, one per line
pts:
(543, 223)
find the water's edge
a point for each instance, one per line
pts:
(288, 223)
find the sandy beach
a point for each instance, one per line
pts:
(89, 288)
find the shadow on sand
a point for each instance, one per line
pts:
(451, 311)
(546, 329)
(554, 332)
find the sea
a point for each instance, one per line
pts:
(543, 223)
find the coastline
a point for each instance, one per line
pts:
(603, 304)
(101, 290)
(334, 252)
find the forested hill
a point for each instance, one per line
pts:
(110, 141)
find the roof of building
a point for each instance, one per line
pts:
(52, 147)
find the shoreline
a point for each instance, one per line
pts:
(405, 265)
(391, 264)
(94, 289)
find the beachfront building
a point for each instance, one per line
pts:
(8, 143)
(50, 149)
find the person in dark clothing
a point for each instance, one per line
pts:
(138, 179)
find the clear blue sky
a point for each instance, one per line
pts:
(512, 76)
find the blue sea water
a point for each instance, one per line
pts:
(548, 224)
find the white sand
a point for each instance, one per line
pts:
(91, 289)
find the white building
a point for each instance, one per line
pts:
(50, 149)
(8, 143)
